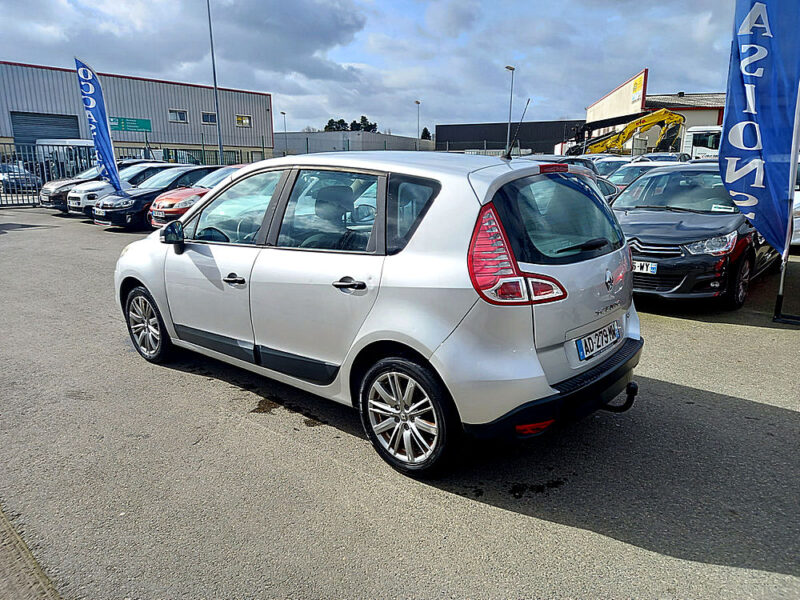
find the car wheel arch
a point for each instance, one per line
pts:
(126, 286)
(380, 349)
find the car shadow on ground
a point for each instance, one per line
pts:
(686, 473)
(6, 227)
(757, 311)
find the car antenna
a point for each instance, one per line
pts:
(507, 153)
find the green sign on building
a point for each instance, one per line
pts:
(128, 124)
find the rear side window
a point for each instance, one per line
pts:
(556, 218)
(407, 201)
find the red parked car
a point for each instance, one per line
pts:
(172, 204)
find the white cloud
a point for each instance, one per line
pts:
(345, 58)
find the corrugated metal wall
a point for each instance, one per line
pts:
(539, 136)
(55, 91)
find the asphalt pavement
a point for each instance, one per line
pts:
(199, 480)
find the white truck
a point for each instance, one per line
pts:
(702, 141)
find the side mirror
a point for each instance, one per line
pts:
(172, 233)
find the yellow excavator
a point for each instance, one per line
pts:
(669, 122)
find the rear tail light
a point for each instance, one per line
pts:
(494, 272)
(554, 168)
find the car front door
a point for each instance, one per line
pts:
(316, 281)
(208, 284)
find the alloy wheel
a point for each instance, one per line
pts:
(402, 417)
(744, 281)
(145, 329)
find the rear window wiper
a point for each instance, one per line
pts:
(592, 244)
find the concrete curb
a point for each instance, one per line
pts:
(21, 577)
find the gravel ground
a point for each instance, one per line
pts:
(198, 480)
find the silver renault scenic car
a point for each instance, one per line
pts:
(444, 296)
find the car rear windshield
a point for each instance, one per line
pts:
(699, 191)
(556, 218)
(607, 167)
(626, 174)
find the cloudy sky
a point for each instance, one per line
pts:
(344, 58)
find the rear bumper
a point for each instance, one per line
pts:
(577, 397)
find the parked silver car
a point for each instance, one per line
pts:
(440, 294)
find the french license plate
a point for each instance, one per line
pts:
(597, 341)
(645, 267)
(99, 212)
(158, 213)
(75, 203)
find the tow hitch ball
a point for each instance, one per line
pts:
(630, 395)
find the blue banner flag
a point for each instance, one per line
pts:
(95, 107)
(758, 151)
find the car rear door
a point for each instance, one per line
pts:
(314, 285)
(556, 223)
(209, 283)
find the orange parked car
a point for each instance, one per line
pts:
(172, 204)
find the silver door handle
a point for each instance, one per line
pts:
(348, 283)
(233, 279)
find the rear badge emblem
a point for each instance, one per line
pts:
(609, 281)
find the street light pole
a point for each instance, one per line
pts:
(216, 90)
(510, 103)
(417, 102)
(285, 137)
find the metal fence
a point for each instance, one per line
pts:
(25, 168)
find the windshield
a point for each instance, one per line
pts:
(662, 157)
(213, 178)
(625, 175)
(607, 167)
(162, 178)
(88, 173)
(699, 191)
(128, 172)
(556, 218)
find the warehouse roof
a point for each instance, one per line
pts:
(681, 100)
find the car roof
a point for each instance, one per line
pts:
(432, 163)
(614, 159)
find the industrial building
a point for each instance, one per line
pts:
(40, 102)
(630, 100)
(536, 136)
(305, 142)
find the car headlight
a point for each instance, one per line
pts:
(716, 246)
(124, 203)
(187, 202)
(91, 196)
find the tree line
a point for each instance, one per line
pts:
(364, 124)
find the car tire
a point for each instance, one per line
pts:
(398, 433)
(146, 326)
(739, 283)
